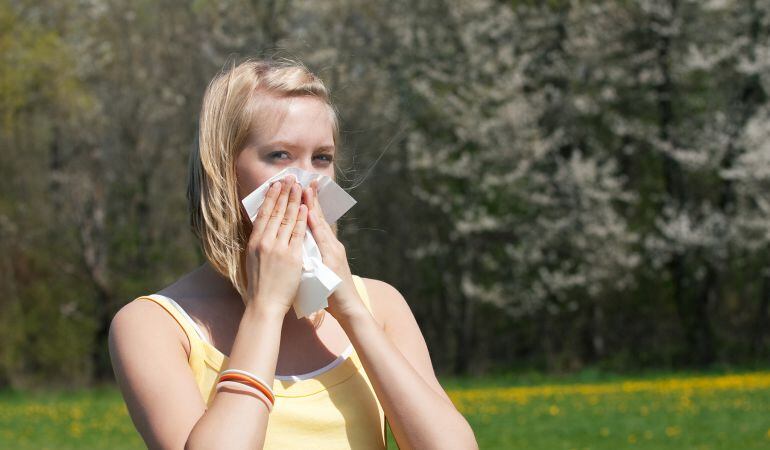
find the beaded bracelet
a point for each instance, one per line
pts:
(238, 386)
(249, 379)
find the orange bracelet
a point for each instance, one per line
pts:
(237, 386)
(249, 381)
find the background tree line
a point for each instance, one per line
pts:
(551, 185)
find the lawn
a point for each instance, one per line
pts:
(663, 412)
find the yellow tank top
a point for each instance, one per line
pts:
(336, 408)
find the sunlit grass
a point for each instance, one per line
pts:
(694, 412)
(94, 419)
(674, 412)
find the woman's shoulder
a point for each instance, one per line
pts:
(388, 304)
(142, 315)
(142, 324)
(379, 286)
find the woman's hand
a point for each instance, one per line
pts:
(345, 301)
(274, 251)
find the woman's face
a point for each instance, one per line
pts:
(302, 137)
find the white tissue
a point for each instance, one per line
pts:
(318, 281)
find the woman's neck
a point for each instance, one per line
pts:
(216, 285)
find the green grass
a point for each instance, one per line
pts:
(658, 411)
(93, 419)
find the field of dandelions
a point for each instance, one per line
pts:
(663, 412)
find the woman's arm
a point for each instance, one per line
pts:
(155, 379)
(236, 420)
(418, 410)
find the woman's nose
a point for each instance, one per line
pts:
(305, 164)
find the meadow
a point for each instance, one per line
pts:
(723, 411)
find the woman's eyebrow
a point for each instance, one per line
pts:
(280, 144)
(294, 146)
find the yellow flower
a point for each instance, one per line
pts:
(76, 412)
(648, 434)
(686, 386)
(75, 429)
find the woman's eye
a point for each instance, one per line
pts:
(284, 156)
(277, 155)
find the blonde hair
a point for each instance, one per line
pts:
(231, 103)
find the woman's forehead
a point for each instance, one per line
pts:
(304, 121)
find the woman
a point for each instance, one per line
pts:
(328, 382)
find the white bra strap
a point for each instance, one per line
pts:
(184, 313)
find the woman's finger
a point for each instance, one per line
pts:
(300, 227)
(276, 216)
(290, 216)
(307, 197)
(265, 209)
(310, 197)
(316, 212)
(322, 233)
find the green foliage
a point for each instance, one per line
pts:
(36, 70)
(570, 184)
